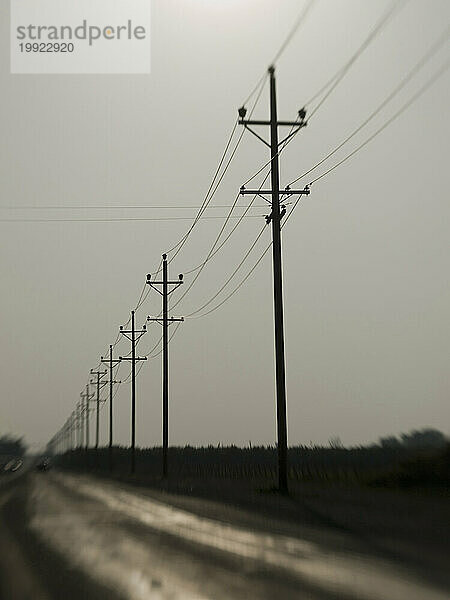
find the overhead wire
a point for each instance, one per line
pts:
(230, 278)
(108, 207)
(395, 6)
(207, 197)
(222, 229)
(297, 24)
(403, 108)
(230, 233)
(115, 219)
(219, 181)
(417, 67)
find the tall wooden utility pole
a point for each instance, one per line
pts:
(112, 363)
(134, 337)
(165, 293)
(99, 384)
(275, 217)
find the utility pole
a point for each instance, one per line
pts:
(86, 397)
(72, 431)
(112, 363)
(80, 424)
(275, 217)
(77, 426)
(134, 339)
(165, 293)
(99, 384)
(69, 430)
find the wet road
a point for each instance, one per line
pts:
(74, 536)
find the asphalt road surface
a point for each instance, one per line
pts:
(66, 536)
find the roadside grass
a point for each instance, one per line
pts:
(418, 469)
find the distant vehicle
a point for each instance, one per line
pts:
(8, 467)
(11, 466)
(44, 464)
(17, 464)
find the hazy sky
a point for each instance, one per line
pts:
(366, 256)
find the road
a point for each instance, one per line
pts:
(73, 536)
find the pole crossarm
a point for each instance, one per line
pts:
(169, 320)
(101, 384)
(114, 361)
(165, 284)
(286, 192)
(295, 125)
(138, 334)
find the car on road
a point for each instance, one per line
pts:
(17, 465)
(12, 465)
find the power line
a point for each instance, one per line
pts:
(225, 240)
(106, 207)
(208, 257)
(183, 240)
(232, 275)
(405, 106)
(219, 181)
(236, 288)
(298, 23)
(142, 297)
(175, 329)
(417, 67)
(154, 347)
(119, 219)
(338, 77)
(300, 20)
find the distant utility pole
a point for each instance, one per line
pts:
(69, 434)
(78, 426)
(99, 384)
(165, 293)
(86, 397)
(72, 430)
(112, 362)
(62, 438)
(134, 337)
(79, 423)
(275, 217)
